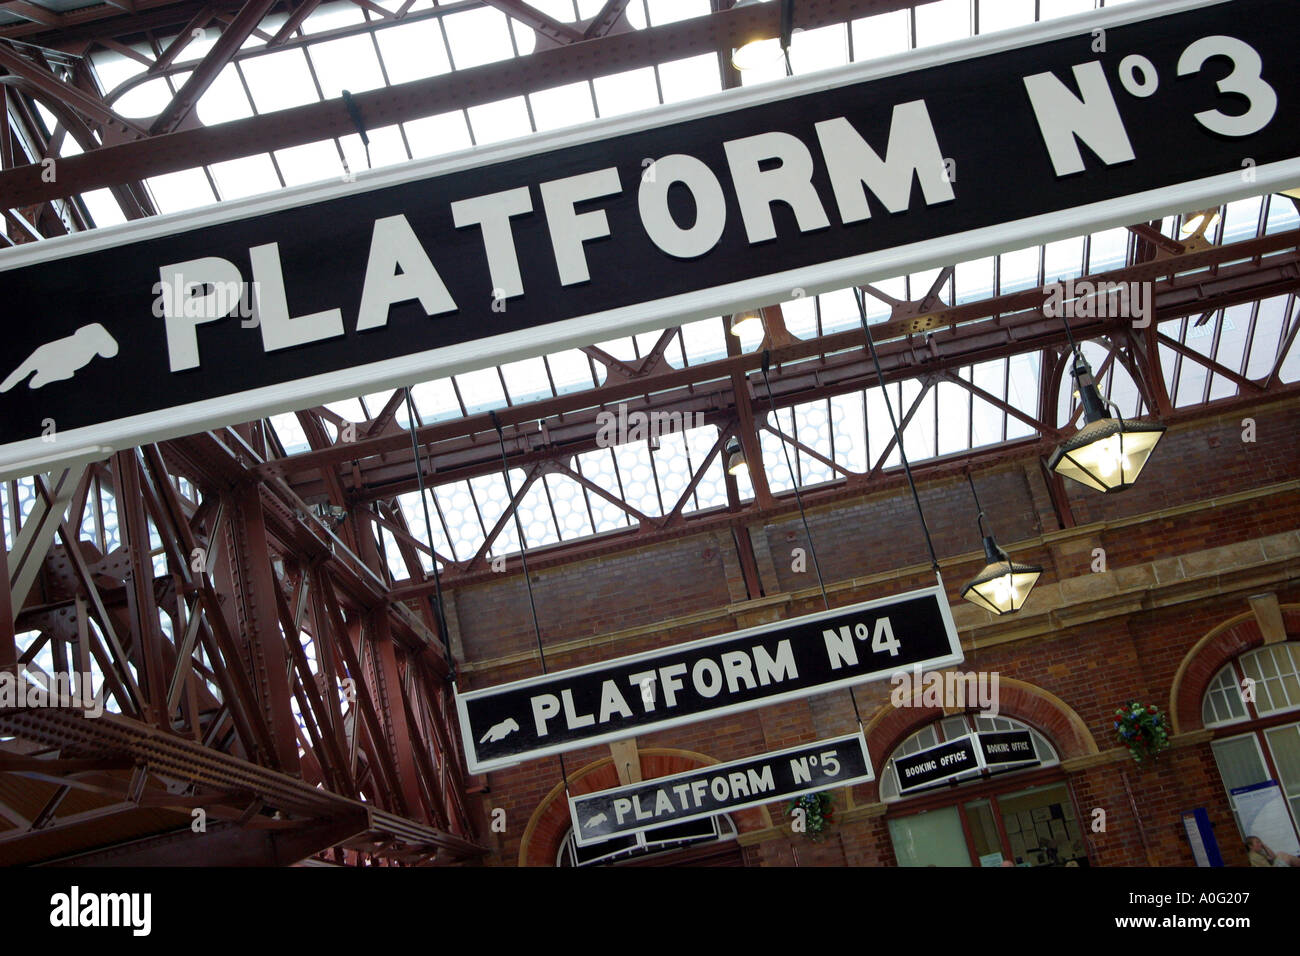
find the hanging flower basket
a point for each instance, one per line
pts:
(1142, 728)
(818, 814)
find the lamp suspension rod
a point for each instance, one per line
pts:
(428, 529)
(898, 436)
(767, 357)
(523, 559)
(803, 515)
(978, 507)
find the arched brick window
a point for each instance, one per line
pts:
(1021, 816)
(1252, 706)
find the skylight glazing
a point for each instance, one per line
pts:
(613, 489)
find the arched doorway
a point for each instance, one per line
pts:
(708, 842)
(1252, 706)
(1022, 816)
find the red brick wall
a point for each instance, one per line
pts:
(1091, 667)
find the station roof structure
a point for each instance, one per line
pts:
(154, 107)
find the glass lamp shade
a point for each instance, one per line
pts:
(1107, 454)
(1193, 222)
(742, 323)
(756, 54)
(736, 463)
(1003, 586)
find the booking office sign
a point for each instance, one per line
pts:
(164, 327)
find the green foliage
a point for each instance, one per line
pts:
(818, 813)
(1143, 729)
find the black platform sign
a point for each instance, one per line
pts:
(706, 791)
(1006, 748)
(936, 764)
(707, 678)
(163, 327)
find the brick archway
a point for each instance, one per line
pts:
(1207, 656)
(1032, 705)
(550, 822)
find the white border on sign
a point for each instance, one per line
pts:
(532, 144)
(999, 765)
(475, 766)
(95, 442)
(975, 747)
(723, 768)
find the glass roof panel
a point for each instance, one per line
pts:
(289, 430)
(349, 408)
(973, 280)
(1270, 329)
(225, 99)
(840, 308)
(689, 78)
(348, 63)
(1108, 250)
(535, 516)
(1018, 270)
(187, 189)
(279, 80)
(435, 135)
(477, 37)
(571, 371)
(526, 380)
(953, 433)
(570, 507)
(502, 120)
(639, 487)
(626, 92)
(245, 177)
(435, 401)
(147, 99)
(800, 316)
(480, 390)
(852, 430)
(1241, 219)
(1063, 259)
(1281, 215)
(413, 51)
(670, 11)
(103, 207)
(819, 49)
(598, 467)
(562, 106)
(849, 424)
(1005, 14)
(113, 68)
(1049, 9)
(331, 16)
(942, 22)
(561, 10)
(386, 148)
(882, 35)
(309, 163)
(705, 341)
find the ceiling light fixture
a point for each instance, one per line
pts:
(1107, 453)
(761, 52)
(1003, 586)
(743, 323)
(1200, 223)
(736, 463)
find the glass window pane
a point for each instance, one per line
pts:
(1239, 761)
(1284, 744)
(930, 839)
(279, 81)
(984, 833)
(413, 51)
